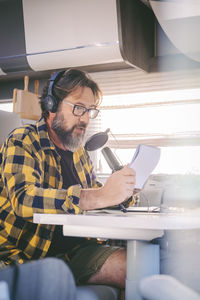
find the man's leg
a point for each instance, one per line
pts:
(99, 264)
(113, 271)
(48, 278)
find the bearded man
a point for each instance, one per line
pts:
(44, 168)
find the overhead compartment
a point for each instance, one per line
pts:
(38, 37)
(95, 34)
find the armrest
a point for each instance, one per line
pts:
(165, 287)
(4, 292)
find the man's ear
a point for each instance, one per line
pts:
(50, 118)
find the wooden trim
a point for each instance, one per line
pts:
(28, 116)
(136, 33)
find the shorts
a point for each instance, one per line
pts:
(88, 260)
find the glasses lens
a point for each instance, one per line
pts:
(93, 113)
(79, 110)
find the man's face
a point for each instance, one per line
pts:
(69, 128)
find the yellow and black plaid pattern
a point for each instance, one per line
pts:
(31, 182)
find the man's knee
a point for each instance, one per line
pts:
(113, 271)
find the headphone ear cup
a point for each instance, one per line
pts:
(51, 103)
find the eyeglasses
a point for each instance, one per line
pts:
(79, 110)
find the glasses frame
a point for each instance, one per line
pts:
(85, 109)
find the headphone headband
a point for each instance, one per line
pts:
(54, 78)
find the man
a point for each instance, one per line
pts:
(45, 169)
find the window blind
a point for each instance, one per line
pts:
(153, 108)
(132, 81)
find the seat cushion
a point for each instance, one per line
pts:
(97, 292)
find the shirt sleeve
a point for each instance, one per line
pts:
(23, 174)
(129, 202)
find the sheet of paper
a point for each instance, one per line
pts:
(144, 162)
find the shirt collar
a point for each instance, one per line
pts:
(45, 140)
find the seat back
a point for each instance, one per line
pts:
(8, 122)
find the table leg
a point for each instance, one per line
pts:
(143, 259)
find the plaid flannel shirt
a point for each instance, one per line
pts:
(31, 182)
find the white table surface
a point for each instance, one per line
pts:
(127, 226)
(137, 228)
(132, 221)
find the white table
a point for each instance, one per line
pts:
(137, 228)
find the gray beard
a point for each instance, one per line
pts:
(65, 136)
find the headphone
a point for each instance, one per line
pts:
(50, 101)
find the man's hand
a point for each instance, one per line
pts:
(118, 188)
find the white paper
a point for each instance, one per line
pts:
(144, 162)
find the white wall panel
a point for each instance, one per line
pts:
(180, 20)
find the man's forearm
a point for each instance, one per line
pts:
(118, 188)
(93, 199)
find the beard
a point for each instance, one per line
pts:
(72, 143)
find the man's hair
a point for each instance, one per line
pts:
(69, 81)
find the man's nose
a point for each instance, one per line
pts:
(85, 117)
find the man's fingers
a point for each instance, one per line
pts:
(128, 171)
(130, 180)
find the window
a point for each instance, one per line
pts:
(167, 119)
(6, 106)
